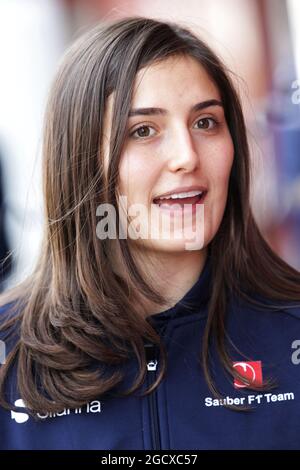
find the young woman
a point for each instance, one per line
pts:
(174, 326)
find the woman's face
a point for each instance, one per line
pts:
(177, 146)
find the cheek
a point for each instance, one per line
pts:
(137, 174)
(219, 164)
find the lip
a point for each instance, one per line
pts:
(179, 210)
(182, 189)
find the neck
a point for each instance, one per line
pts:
(173, 274)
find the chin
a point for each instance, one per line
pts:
(172, 246)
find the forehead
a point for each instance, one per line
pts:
(181, 79)
(170, 83)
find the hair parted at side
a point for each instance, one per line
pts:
(74, 310)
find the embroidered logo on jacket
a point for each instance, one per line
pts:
(21, 417)
(252, 371)
(16, 415)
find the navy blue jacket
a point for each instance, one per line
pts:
(182, 413)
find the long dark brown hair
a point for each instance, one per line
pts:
(74, 310)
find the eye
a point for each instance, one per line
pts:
(141, 132)
(207, 123)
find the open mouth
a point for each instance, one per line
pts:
(180, 203)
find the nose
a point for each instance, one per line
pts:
(182, 153)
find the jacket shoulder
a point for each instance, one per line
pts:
(9, 329)
(293, 310)
(7, 311)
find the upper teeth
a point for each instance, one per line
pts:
(182, 195)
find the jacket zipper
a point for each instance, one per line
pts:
(152, 364)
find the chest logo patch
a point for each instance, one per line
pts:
(251, 370)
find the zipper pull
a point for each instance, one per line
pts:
(151, 356)
(152, 365)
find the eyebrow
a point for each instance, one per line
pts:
(160, 111)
